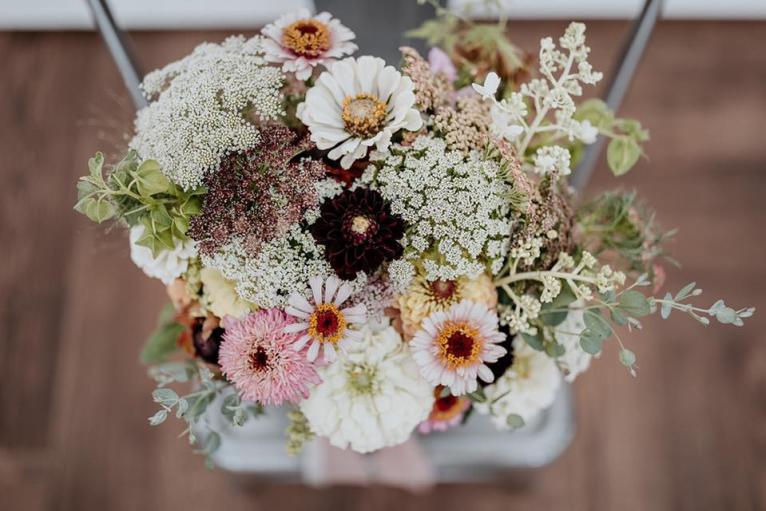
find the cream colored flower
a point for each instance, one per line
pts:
(527, 387)
(358, 104)
(575, 360)
(220, 295)
(423, 298)
(168, 265)
(372, 396)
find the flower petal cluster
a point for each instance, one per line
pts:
(358, 104)
(301, 42)
(260, 359)
(454, 347)
(575, 360)
(372, 397)
(205, 106)
(323, 324)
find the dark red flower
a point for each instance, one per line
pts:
(358, 232)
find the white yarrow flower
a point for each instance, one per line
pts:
(372, 397)
(168, 265)
(300, 42)
(358, 104)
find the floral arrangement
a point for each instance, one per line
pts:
(383, 251)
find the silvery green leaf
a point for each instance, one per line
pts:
(596, 324)
(627, 357)
(633, 303)
(515, 421)
(666, 307)
(590, 343)
(478, 396)
(181, 407)
(95, 165)
(554, 349)
(159, 417)
(534, 341)
(685, 291)
(165, 396)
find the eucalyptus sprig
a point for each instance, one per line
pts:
(137, 192)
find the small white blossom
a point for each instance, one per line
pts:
(168, 265)
(549, 159)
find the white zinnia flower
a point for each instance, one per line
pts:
(453, 347)
(373, 397)
(300, 42)
(324, 323)
(575, 360)
(527, 387)
(168, 265)
(357, 104)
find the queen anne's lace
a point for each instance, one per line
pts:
(205, 106)
(454, 205)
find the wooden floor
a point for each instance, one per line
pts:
(688, 434)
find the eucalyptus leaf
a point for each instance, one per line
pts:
(590, 343)
(634, 303)
(534, 341)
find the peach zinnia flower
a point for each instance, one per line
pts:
(452, 348)
(324, 323)
(447, 412)
(257, 356)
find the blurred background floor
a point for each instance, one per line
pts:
(688, 434)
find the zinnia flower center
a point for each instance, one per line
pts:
(362, 378)
(327, 323)
(443, 290)
(364, 115)
(307, 38)
(446, 407)
(459, 345)
(258, 360)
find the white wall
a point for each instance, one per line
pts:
(170, 14)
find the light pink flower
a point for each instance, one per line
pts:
(453, 347)
(440, 63)
(324, 323)
(300, 42)
(259, 358)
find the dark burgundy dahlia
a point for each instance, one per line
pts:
(358, 232)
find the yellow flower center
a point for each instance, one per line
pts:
(364, 115)
(307, 37)
(327, 323)
(459, 344)
(360, 224)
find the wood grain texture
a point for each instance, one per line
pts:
(688, 434)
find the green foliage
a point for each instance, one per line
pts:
(553, 313)
(162, 342)
(626, 135)
(298, 432)
(138, 193)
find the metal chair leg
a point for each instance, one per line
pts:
(625, 68)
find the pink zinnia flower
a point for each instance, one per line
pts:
(447, 412)
(452, 347)
(259, 358)
(300, 42)
(324, 323)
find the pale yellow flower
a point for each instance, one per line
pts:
(220, 296)
(423, 298)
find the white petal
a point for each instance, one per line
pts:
(329, 353)
(330, 287)
(300, 343)
(343, 293)
(299, 301)
(295, 327)
(485, 373)
(292, 311)
(316, 288)
(313, 351)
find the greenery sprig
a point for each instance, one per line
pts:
(138, 192)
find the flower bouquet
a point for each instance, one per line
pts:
(384, 250)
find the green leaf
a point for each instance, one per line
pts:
(159, 417)
(165, 396)
(554, 349)
(627, 357)
(95, 166)
(555, 312)
(596, 324)
(633, 303)
(534, 341)
(618, 317)
(590, 343)
(515, 421)
(150, 179)
(685, 291)
(622, 154)
(163, 341)
(597, 112)
(666, 307)
(96, 210)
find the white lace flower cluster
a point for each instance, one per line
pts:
(454, 205)
(564, 70)
(203, 105)
(575, 360)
